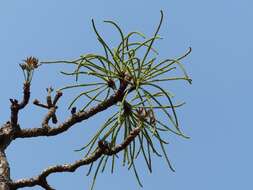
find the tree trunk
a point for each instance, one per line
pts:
(4, 172)
(6, 136)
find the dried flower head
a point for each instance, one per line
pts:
(31, 62)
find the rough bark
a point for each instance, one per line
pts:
(6, 135)
(102, 149)
(11, 130)
(4, 172)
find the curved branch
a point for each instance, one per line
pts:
(102, 149)
(15, 106)
(26, 95)
(75, 118)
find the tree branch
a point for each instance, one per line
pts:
(15, 106)
(26, 95)
(103, 149)
(49, 115)
(74, 118)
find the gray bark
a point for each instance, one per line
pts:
(4, 172)
(5, 138)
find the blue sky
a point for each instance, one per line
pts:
(217, 115)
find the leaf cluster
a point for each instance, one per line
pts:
(134, 59)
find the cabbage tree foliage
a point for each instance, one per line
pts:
(136, 60)
(130, 80)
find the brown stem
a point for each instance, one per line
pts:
(15, 106)
(49, 115)
(101, 150)
(26, 95)
(74, 118)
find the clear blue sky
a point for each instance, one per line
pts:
(218, 112)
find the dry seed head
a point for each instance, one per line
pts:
(31, 62)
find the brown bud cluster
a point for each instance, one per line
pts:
(30, 63)
(144, 114)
